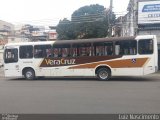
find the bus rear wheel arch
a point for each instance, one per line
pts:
(29, 73)
(103, 73)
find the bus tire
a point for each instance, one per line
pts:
(29, 74)
(104, 74)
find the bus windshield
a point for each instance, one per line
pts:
(11, 55)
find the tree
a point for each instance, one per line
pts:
(65, 30)
(92, 9)
(87, 22)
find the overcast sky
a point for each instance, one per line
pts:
(49, 12)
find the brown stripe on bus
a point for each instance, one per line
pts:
(126, 63)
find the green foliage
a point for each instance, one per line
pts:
(89, 22)
(65, 30)
(92, 9)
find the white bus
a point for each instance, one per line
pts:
(101, 57)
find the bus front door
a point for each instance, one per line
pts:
(11, 65)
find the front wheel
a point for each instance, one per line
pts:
(103, 74)
(29, 74)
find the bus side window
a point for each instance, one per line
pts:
(126, 47)
(55, 52)
(99, 50)
(117, 49)
(83, 49)
(74, 52)
(26, 52)
(61, 50)
(103, 48)
(42, 51)
(48, 52)
(66, 50)
(108, 48)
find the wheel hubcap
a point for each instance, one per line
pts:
(29, 74)
(103, 75)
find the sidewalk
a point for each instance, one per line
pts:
(1, 72)
(155, 74)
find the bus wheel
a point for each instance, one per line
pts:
(103, 74)
(29, 74)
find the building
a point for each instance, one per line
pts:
(52, 34)
(121, 27)
(143, 18)
(149, 18)
(132, 17)
(31, 33)
(6, 30)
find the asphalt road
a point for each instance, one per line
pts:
(78, 96)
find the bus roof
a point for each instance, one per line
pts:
(30, 43)
(93, 40)
(77, 41)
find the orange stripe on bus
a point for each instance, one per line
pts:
(127, 63)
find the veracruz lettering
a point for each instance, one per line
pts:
(50, 62)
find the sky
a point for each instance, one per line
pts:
(49, 12)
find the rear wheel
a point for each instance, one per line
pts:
(103, 74)
(29, 74)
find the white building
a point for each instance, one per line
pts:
(132, 17)
(6, 30)
(144, 17)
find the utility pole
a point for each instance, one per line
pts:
(110, 18)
